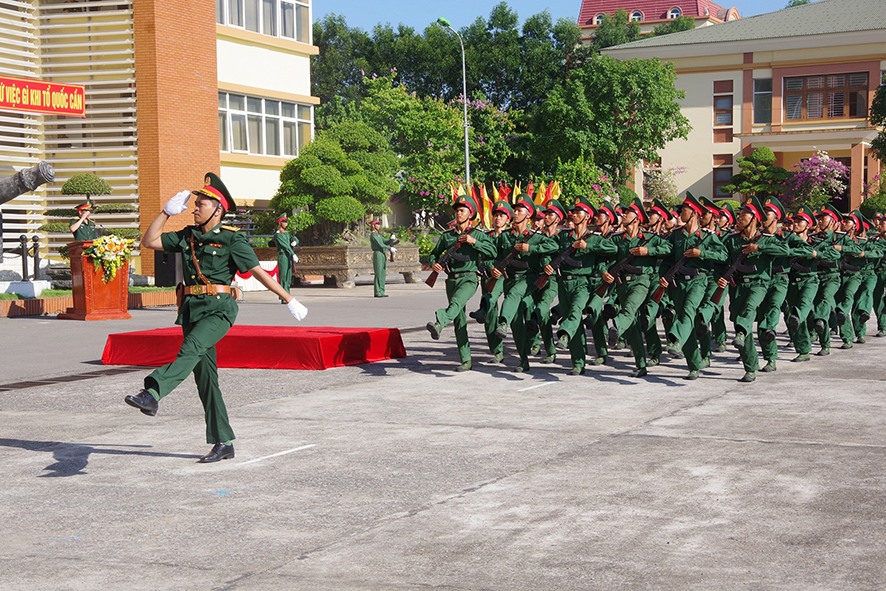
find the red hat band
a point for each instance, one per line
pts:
(583, 207)
(805, 217)
(656, 209)
(693, 207)
(215, 194)
(757, 213)
(633, 207)
(774, 210)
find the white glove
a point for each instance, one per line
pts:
(393, 236)
(178, 203)
(297, 310)
(294, 258)
(293, 243)
(393, 250)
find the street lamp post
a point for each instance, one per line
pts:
(464, 80)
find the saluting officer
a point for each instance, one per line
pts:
(212, 253)
(83, 227)
(468, 244)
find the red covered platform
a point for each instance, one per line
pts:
(263, 347)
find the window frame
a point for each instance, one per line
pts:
(828, 95)
(675, 13)
(249, 118)
(299, 9)
(637, 16)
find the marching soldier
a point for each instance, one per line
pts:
(487, 313)
(606, 221)
(692, 250)
(756, 251)
(539, 325)
(777, 291)
(879, 295)
(872, 253)
(580, 251)
(827, 239)
(212, 253)
(285, 243)
(525, 253)
(634, 280)
(83, 227)
(851, 278)
(657, 218)
(464, 245)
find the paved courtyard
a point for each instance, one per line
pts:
(407, 475)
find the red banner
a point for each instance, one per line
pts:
(36, 96)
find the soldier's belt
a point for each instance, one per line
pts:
(751, 279)
(459, 274)
(211, 289)
(570, 277)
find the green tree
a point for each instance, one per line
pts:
(683, 23)
(878, 119)
(344, 174)
(759, 175)
(615, 112)
(615, 29)
(792, 3)
(337, 71)
(86, 184)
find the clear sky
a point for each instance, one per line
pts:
(418, 14)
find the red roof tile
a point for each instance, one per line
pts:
(652, 9)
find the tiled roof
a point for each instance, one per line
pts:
(651, 9)
(819, 18)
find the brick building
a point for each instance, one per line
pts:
(172, 90)
(650, 13)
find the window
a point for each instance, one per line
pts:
(675, 13)
(636, 16)
(722, 174)
(831, 96)
(598, 20)
(763, 100)
(723, 104)
(254, 125)
(279, 18)
(723, 110)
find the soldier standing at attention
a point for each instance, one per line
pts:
(380, 249)
(211, 253)
(468, 244)
(285, 242)
(83, 227)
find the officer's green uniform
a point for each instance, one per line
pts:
(86, 231)
(205, 319)
(284, 242)
(461, 281)
(380, 248)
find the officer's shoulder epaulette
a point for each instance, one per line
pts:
(230, 228)
(616, 234)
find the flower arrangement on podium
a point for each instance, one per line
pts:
(109, 252)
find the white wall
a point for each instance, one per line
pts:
(249, 65)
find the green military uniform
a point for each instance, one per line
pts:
(850, 281)
(520, 275)
(540, 323)
(803, 286)
(633, 285)
(284, 242)
(205, 319)
(829, 282)
(752, 285)
(879, 294)
(380, 249)
(487, 313)
(776, 293)
(574, 285)
(461, 279)
(594, 311)
(871, 256)
(87, 230)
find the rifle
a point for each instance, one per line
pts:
(670, 273)
(557, 261)
(432, 278)
(503, 263)
(617, 268)
(736, 266)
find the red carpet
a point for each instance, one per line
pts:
(263, 347)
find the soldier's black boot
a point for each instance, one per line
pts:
(143, 401)
(219, 452)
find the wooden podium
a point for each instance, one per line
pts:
(93, 298)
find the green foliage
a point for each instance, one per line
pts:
(792, 3)
(615, 30)
(878, 119)
(683, 23)
(580, 178)
(874, 204)
(86, 184)
(626, 195)
(662, 185)
(620, 112)
(344, 174)
(759, 175)
(64, 228)
(66, 212)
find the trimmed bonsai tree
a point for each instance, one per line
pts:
(87, 184)
(345, 174)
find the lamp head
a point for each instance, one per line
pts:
(442, 21)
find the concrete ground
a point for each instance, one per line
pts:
(407, 475)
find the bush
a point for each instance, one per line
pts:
(86, 184)
(874, 204)
(343, 210)
(626, 195)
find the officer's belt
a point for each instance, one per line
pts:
(210, 289)
(750, 279)
(570, 277)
